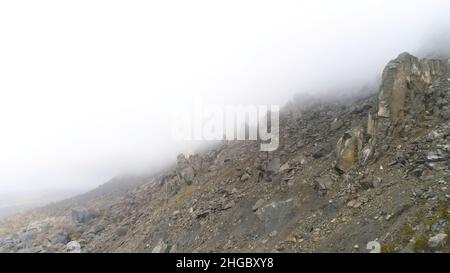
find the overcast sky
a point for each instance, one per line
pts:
(88, 88)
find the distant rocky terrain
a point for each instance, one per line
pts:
(363, 174)
(15, 202)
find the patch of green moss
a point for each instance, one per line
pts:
(388, 249)
(406, 231)
(417, 134)
(421, 244)
(73, 236)
(431, 221)
(405, 234)
(443, 211)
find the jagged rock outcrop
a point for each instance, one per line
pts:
(184, 173)
(349, 147)
(408, 90)
(185, 170)
(405, 82)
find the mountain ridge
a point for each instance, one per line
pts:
(373, 169)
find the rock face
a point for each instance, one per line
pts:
(408, 88)
(184, 170)
(348, 149)
(372, 124)
(351, 171)
(405, 81)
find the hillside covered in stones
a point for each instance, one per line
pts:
(359, 174)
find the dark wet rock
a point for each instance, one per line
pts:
(322, 151)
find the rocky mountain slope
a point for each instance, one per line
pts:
(359, 175)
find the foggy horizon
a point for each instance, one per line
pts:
(89, 89)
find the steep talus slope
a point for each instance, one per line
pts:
(373, 168)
